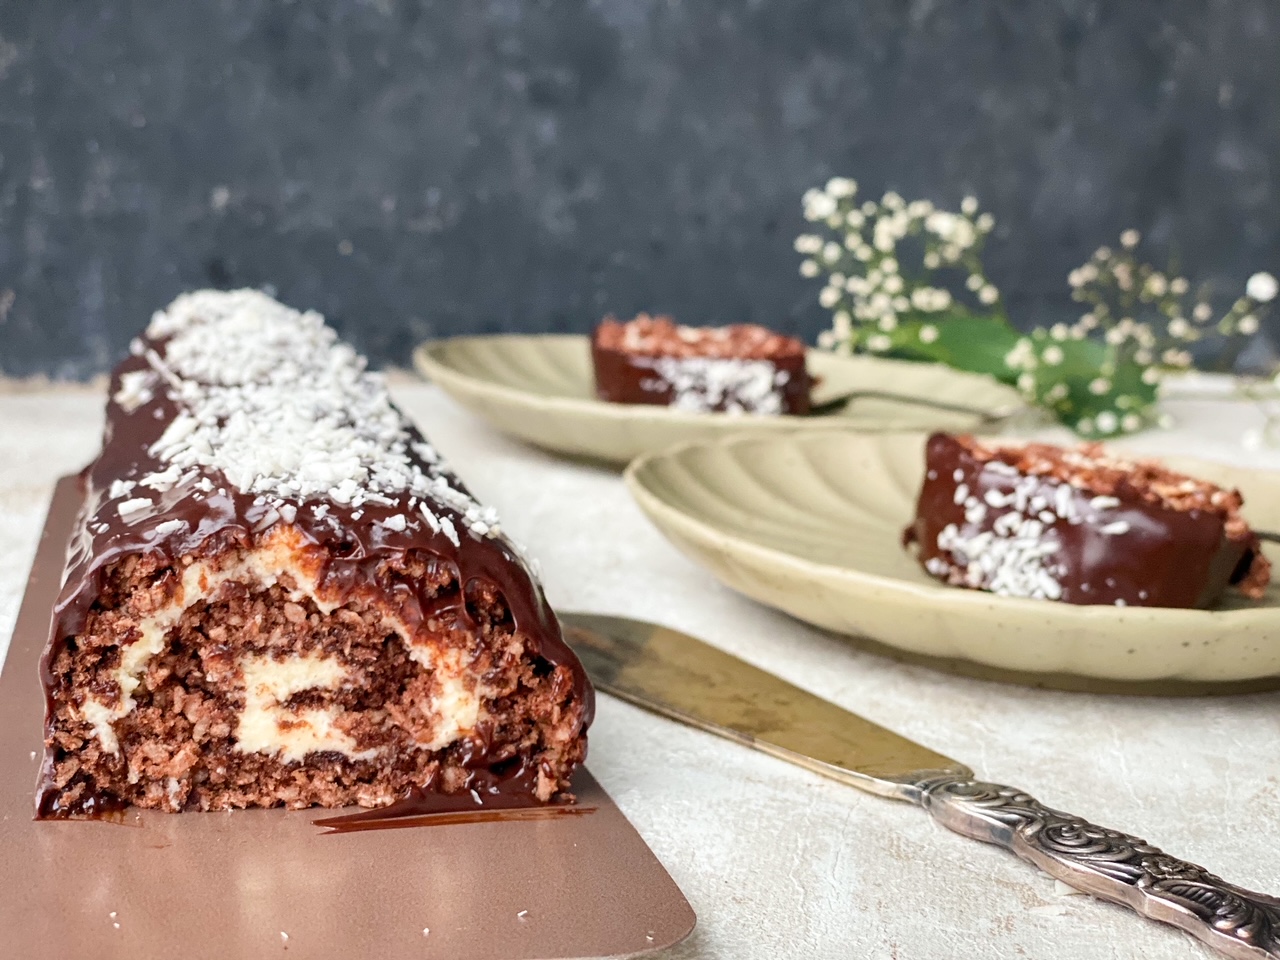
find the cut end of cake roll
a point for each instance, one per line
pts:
(741, 368)
(278, 594)
(1081, 526)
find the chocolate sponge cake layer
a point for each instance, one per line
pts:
(742, 368)
(1079, 526)
(278, 594)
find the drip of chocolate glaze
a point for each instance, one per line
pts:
(488, 795)
(1165, 558)
(354, 550)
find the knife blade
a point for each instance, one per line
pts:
(680, 677)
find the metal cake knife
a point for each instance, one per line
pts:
(675, 675)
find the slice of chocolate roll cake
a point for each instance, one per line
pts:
(1080, 526)
(277, 594)
(736, 369)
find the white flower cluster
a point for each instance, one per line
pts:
(1098, 374)
(1119, 290)
(866, 287)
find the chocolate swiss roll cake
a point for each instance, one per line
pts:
(736, 369)
(1080, 526)
(277, 593)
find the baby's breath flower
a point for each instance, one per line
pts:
(842, 323)
(1131, 423)
(1107, 422)
(1102, 254)
(869, 208)
(1202, 312)
(901, 304)
(857, 285)
(1027, 382)
(889, 265)
(1130, 238)
(1151, 376)
(932, 261)
(808, 243)
(919, 208)
(928, 333)
(1022, 356)
(818, 205)
(829, 297)
(835, 221)
(888, 322)
(1084, 425)
(1248, 325)
(1059, 331)
(1262, 287)
(1124, 275)
(837, 279)
(985, 222)
(879, 343)
(1178, 327)
(975, 282)
(841, 187)
(1052, 355)
(827, 339)
(864, 253)
(1156, 285)
(969, 205)
(941, 223)
(892, 200)
(988, 294)
(831, 253)
(963, 236)
(808, 268)
(1179, 285)
(1057, 392)
(1099, 386)
(855, 219)
(893, 284)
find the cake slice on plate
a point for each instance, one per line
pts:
(741, 368)
(1080, 526)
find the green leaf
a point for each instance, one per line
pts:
(964, 340)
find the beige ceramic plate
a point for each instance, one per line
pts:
(541, 389)
(811, 524)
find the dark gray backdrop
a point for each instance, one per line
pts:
(414, 168)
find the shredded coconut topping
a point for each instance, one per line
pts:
(703, 384)
(272, 400)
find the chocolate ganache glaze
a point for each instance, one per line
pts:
(349, 536)
(1042, 522)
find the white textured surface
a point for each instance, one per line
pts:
(778, 862)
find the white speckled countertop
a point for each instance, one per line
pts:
(776, 861)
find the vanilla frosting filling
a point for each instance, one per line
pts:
(265, 726)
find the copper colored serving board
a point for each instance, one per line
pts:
(263, 883)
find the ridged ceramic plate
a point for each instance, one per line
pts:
(542, 390)
(812, 525)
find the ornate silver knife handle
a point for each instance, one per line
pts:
(1110, 865)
